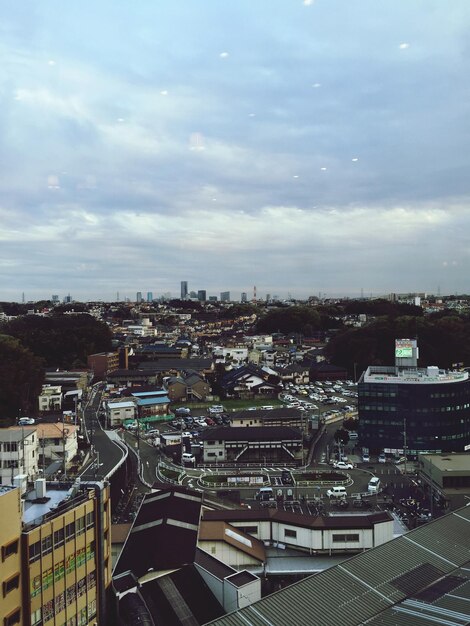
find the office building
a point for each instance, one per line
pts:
(55, 299)
(244, 297)
(56, 554)
(404, 407)
(202, 295)
(225, 296)
(212, 298)
(149, 296)
(184, 289)
(138, 297)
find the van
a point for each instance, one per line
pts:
(265, 493)
(337, 492)
(353, 434)
(26, 421)
(374, 485)
(187, 457)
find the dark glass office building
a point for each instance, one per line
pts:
(424, 409)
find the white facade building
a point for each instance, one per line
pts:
(18, 453)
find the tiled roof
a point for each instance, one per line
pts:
(253, 433)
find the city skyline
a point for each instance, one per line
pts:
(306, 147)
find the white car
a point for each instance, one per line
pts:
(343, 465)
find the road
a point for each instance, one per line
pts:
(105, 454)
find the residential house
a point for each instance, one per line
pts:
(50, 398)
(249, 381)
(120, 410)
(56, 442)
(150, 403)
(189, 386)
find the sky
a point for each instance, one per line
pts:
(303, 146)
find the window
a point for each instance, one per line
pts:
(48, 610)
(34, 551)
(90, 520)
(13, 618)
(10, 584)
(59, 537)
(70, 594)
(60, 602)
(9, 549)
(345, 538)
(290, 533)
(81, 587)
(47, 545)
(36, 617)
(80, 525)
(91, 580)
(70, 531)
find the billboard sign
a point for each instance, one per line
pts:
(403, 348)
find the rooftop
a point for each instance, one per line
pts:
(449, 462)
(411, 375)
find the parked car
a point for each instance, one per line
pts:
(183, 410)
(382, 458)
(26, 421)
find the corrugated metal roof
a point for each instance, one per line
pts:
(380, 587)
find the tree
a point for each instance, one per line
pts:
(21, 379)
(61, 340)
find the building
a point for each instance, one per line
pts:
(419, 579)
(225, 296)
(56, 556)
(117, 412)
(202, 295)
(18, 454)
(249, 381)
(57, 442)
(149, 296)
(243, 297)
(102, 363)
(189, 386)
(151, 403)
(184, 289)
(11, 580)
(276, 444)
(315, 535)
(138, 297)
(271, 417)
(50, 398)
(422, 410)
(446, 479)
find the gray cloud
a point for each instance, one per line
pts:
(141, 155)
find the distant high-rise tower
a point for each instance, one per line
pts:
(149, 296)
(55, 299)
(138, 297)
(243, 298)
(202, 295)
(184, 289)
(225, 296)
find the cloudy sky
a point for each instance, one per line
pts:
(302, 146)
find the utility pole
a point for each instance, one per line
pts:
(404, 443)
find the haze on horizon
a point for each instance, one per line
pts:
(302, 146)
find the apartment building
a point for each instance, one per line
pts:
(56, 554)
(18, 454)
(50, 398)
